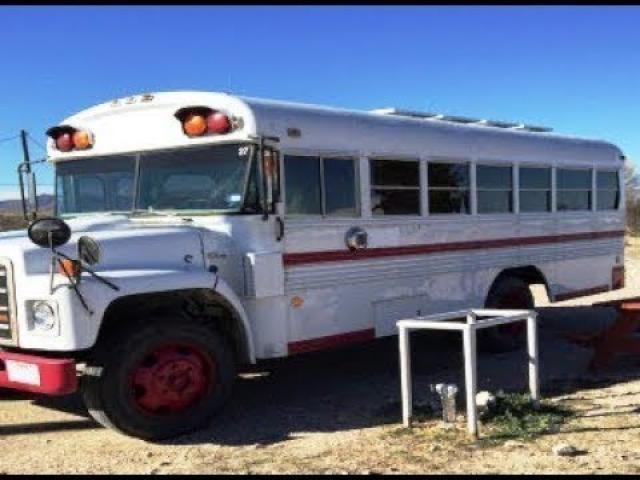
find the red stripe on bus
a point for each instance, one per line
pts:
(581, 293)
(302, 258)
(331, 341)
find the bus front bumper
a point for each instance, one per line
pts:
(36, 374)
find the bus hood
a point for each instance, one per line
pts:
(125, 244)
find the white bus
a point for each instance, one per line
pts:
(225, 230)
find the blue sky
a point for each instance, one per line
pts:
(576, 69)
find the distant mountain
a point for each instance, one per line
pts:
(45, 202)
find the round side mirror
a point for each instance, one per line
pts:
(49, 232)
(88, 250)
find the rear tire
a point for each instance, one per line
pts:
(508, 293)
(159, 379)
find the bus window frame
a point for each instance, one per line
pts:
(487, 162)
(470, 162)
(532, 164)
(578, 166)
(400, 158)
(619, 174)
(356, 187)
(320, 155)
(423, 183)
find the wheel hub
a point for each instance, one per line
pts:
(172, 378)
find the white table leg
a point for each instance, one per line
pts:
(470, 373)
(532, 348)
(405, 377)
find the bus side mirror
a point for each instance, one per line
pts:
(271, 177)
(27, 180)
(49, 232)
(32, 193)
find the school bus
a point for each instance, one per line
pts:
(196, 233)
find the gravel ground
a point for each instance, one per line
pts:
(338, 412)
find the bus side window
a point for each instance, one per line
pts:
(339, 187)
(495, 189)
(608, 196)
(535, 189)
(395, 187)
(573, 189)
(449, 188)
(302, 185)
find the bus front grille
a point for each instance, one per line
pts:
(6, 308)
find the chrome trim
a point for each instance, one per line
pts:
(11, 307)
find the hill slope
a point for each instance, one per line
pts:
(14, 206)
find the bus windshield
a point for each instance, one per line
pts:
(209, 178)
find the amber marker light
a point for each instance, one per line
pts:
(82, 140)
(194, 125)
(70, 268)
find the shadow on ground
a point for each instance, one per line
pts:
(358, 387)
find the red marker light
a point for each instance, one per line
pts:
(64, 142)
(218, 123)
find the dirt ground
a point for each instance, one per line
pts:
(339, 412)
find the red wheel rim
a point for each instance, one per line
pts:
(172, 378)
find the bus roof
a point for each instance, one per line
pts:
(376, 133)
(147, 122)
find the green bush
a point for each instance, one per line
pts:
(515, 415)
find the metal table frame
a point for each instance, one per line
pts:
(473, 322)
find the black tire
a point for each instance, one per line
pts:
(509, 293)
(115, 400)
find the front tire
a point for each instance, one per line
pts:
(159, 379)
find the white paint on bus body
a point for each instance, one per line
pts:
(298, 302)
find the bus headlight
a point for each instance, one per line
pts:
(44, 316)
